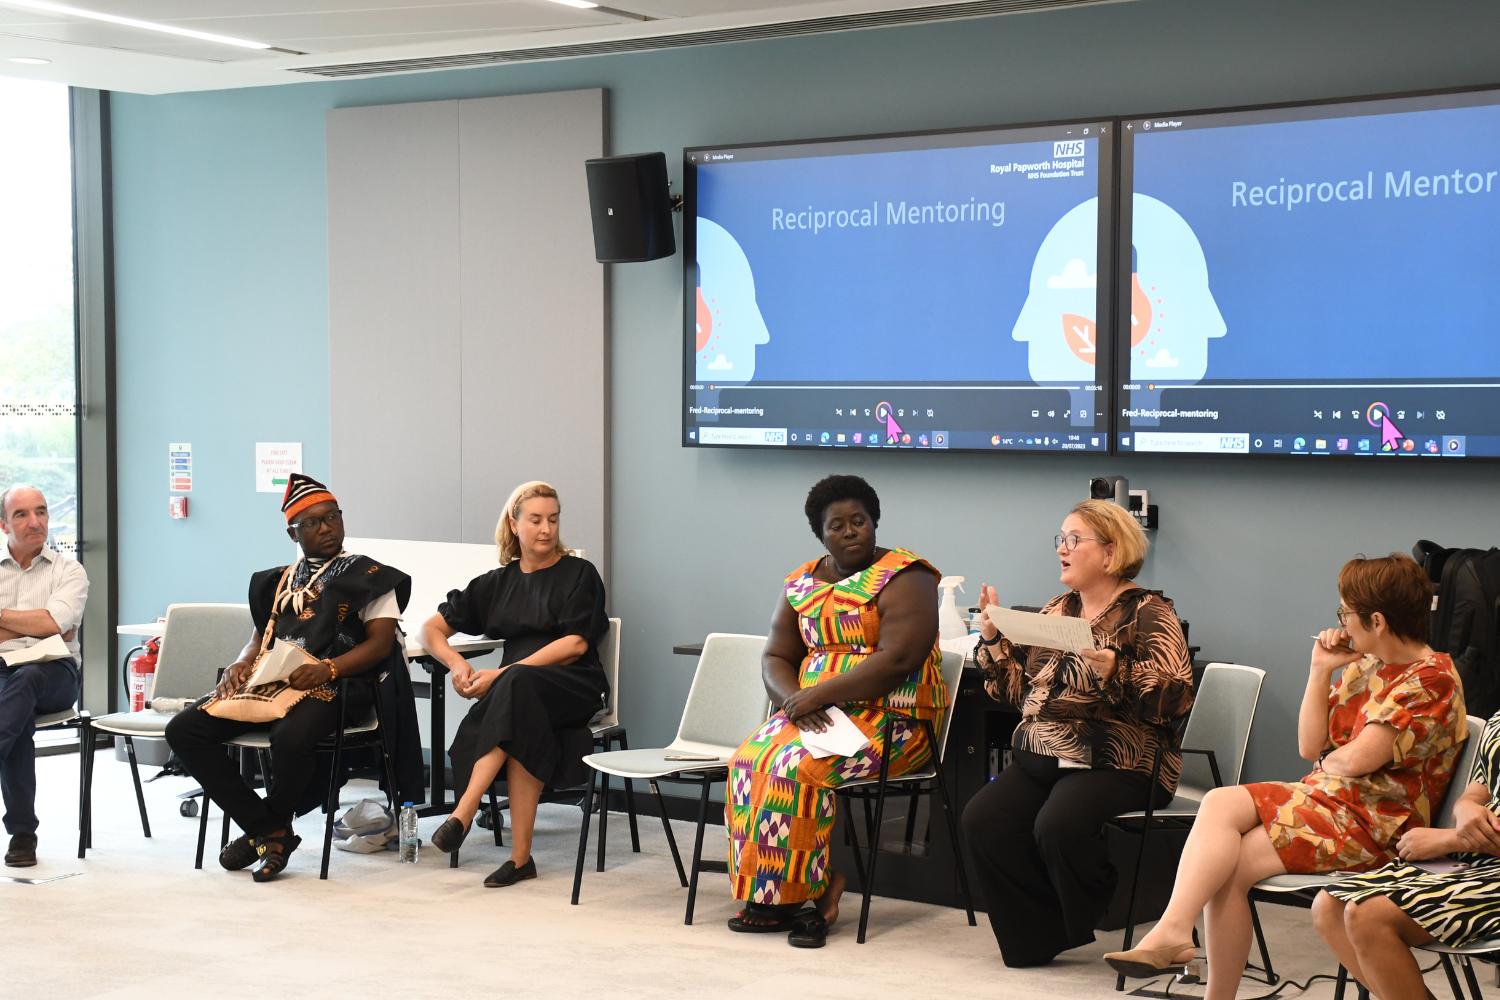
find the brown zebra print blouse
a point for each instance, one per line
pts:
(1068, 714)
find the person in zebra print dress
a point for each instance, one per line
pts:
(1372, 920)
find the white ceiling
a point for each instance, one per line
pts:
(322, 32)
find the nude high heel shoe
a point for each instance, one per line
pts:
(1143, 963)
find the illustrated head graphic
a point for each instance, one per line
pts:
(1173, 313)
(730, 325)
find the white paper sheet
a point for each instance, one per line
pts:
(50, 648)
(1052, 631)
(843, 737)
(279, 663)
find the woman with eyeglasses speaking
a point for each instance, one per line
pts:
(1092, 725)
(1383, 739)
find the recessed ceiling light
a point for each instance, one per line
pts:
(68, 10)
(576, 3)
(30, 60)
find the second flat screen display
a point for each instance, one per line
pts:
(937, 291)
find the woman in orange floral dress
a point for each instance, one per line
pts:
(1383, 740)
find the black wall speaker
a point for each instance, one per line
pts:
(631, 205)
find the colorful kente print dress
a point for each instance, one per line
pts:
(1067, 713)
(1456, 907)
(1327, 823)
(781, 805)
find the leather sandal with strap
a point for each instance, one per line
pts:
(238, 853)
(274, 850)
(809, 930)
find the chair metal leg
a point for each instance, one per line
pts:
(1470, 978)
(89, 787)
(140, 795)
(635, 836)
(885, 769)
(332, 805)
(851, 837)
(583, 836)
(698, 849)
(1340, 982)
(1135, 882)
(1260, 938)
(958, 849)
(603, 820)
(666, 825)
(85, 746)
(202, 830)
(495, 823)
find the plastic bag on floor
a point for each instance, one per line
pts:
(366, 828)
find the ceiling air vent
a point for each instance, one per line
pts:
(717, 36)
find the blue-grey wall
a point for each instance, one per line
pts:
(222, 306)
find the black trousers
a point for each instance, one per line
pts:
(1036, 838)
(198, 739)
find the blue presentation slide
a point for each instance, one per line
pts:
(935, 265)
(1349, 248)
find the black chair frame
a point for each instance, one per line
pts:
(83, 722)
(336, 744)
(865, 866)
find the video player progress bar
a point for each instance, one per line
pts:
(908, 388)
(1335, 385)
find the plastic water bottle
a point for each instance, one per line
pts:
(408, 828)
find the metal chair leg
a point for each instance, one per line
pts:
(1135, 882)
(202, 830)
(666, 825)
(332, 805)
(698, 849)
(89, 785)
(1260, 938)
(603, 820)
(85, 746)
(635, 836)
(885, 771)
(851, 837)
(583, 836)
(140, 795)
(1340, 983)
(495, 822)
(958, 849)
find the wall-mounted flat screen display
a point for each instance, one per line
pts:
(1313, 280)
(938, 291)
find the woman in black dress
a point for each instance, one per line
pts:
(531, 716)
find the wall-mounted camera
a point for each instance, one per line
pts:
(1117, 489)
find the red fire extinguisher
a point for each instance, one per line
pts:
(142, 671)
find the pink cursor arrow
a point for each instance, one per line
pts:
(1390, 434)
(892, 429)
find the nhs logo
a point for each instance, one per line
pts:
(1067, 148)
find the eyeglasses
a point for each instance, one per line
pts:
(1071, 540)
(333, 519)
(1342, 613)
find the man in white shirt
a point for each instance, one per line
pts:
(42, 594)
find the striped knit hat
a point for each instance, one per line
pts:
(303, 492)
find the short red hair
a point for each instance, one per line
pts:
(1395, 586)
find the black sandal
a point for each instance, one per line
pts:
(809, 930)
(238, 854)
(274, 850)
(449, 836)
(762, 918)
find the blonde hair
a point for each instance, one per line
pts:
(1113, 525)
(505, 533)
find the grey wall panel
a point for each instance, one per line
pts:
(393, 301)
(534, 377)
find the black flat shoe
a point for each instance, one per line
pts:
(274, 850)
(238, 854)
(809, 930)
(449, 836)
(509, 874)
(22, 851)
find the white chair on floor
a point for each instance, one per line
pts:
(1301, 890)
(725, 704)
(925, 780)
(72, 718)
(198, 641)
(1213, 753)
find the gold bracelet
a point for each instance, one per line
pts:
(333, 669)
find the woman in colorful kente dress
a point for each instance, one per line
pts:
(856, 629)
(1372, 921)
(1383, 740)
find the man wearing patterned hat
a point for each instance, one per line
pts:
(342, 610)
